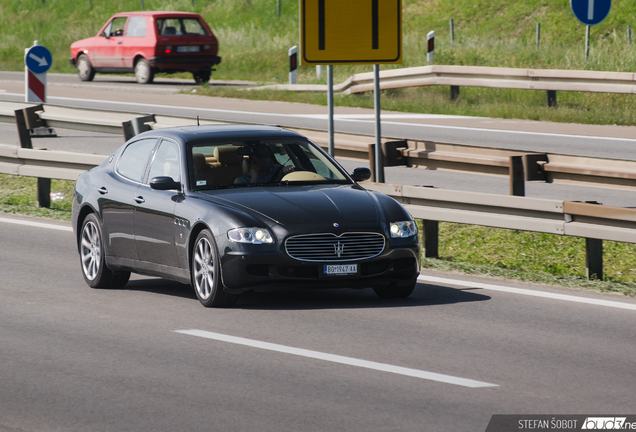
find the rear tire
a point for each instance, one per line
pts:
(202, 77)
(394, 292)
(206, 273)
(143, 72)
(85, 69)
(92, 257)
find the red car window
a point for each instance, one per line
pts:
(180, 26)
(136, 27)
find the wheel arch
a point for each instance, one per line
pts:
(138, 57)
(196, 230)
(81, 217)
(82, 52)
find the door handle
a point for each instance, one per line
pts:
(102, 190)
(140, 200)
(119, 42)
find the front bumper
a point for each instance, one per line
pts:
(241, 271)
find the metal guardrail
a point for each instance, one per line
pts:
(479, 76)
(547, 167)
(593, 222)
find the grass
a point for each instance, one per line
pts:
(254, 43)
(18, 195)
(498, 253)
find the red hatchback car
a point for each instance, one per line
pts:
(146, 43)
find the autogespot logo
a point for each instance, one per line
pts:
(607, 423)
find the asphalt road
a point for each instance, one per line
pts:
(163, 97)
(74, 358)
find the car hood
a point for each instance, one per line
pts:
(305, 205)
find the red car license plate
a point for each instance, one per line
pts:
(188, 48)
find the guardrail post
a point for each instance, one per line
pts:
(23, 130)
(371, 148)
(594, 258)
(137, 126)
(533, 167)
(551, 98)
(391, 155)
(44, 192)
(517, 178)
(431, 238)
(454, 92)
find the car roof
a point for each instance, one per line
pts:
(157, 14)
(184, 134)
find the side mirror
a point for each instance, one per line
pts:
(164, 183)
(361, 174)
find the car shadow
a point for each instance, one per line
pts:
(424, 295)
(160, 286)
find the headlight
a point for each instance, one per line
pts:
(250, 235)
(403, 229)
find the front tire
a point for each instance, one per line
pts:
(395, 292)
(92, 257)
(85, 70)
(206, 273)
(143, 72)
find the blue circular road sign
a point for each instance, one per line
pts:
(38, 59)
(590, 12)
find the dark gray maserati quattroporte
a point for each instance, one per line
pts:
(230, 209)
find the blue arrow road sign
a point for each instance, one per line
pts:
(38, 59)
(590, 12)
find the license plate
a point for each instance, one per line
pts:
(340, 269)
(188, 48)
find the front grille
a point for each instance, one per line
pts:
(330, 247)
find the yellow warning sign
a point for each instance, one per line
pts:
(350, 31)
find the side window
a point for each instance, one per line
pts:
(193, 27)
(169, 27)
(166, 162)
(132, 163)
(136, 27)
(116, 27)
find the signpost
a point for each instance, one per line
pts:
(590, 12)
(352, 32)
(38, 60)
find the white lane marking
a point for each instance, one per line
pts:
(214, 110)
(36, 224)
(554, 296)
(473, 129)
(350, 361)
(384, 116)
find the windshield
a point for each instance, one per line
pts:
(260, 162)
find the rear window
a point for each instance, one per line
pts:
(180, 27)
